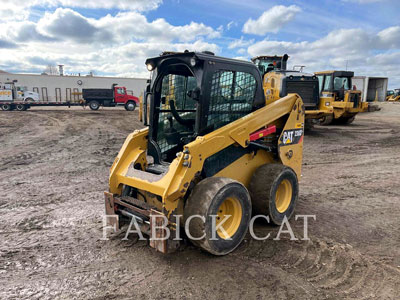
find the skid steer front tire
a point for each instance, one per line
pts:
(274, 190)
(218, 196)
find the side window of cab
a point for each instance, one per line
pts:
(231, 97)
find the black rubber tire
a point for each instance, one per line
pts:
(6, 107)
(94, 105)
(205, 201)
(130, 105)
(327, 120)
(347, 120)
(263, 187)
(308, 124)
(20, 107)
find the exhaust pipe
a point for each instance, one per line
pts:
(284, 62)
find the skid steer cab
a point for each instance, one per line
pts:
(213, 154)
(336, 88)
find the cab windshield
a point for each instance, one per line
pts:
(341, 83)
(176, 109)
(268, 64)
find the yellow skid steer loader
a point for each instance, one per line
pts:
(213, 154)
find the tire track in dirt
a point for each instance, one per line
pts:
(329, 267)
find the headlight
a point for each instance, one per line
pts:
(327, 103)
(150, 67)
(193, 61)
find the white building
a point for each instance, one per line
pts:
(372, 88)
(55, 88)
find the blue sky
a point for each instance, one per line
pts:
(115, 37)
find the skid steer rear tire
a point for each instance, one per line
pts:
(274, 191)
(218, 196)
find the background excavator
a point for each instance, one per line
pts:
(213, 154)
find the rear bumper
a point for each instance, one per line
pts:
(149, 220)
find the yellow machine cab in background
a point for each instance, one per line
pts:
(336, 88)
(278, 82)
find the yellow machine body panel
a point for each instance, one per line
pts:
(247, 164)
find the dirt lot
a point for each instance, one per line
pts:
(53, 171)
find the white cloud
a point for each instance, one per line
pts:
(65, 24)
(390, 37)
(241, 58)
(119, 44)
(7, 45)
(116, 45)
(12, 12)
(231, 24)
(271, 20)
(132, 25)
(238, 43)
(138, 5)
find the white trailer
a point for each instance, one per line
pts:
(372, 88)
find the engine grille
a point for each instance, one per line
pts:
(308, 91)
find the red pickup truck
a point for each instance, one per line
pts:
(109, 98)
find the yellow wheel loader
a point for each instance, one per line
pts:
(278, 82)
(213, 154)
(336, 88)
(393, 96)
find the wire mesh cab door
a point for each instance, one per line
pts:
(232, 91)
(173, 112)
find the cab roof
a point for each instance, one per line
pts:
(293, 73)
(336, 73)
(203, 56)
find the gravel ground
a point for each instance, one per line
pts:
(54, 167)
